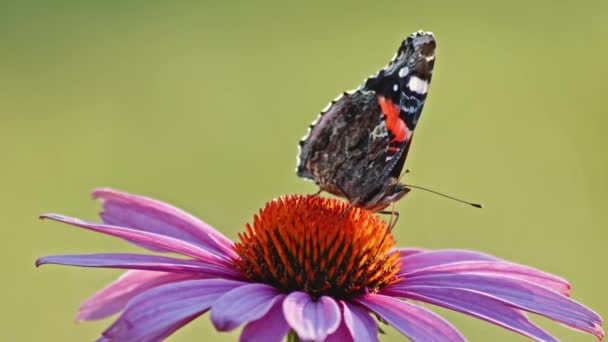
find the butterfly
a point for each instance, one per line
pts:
(357, 147)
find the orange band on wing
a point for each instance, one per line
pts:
(394, 123)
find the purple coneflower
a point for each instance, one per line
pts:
(306, 269)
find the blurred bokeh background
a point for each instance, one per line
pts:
(201, 104)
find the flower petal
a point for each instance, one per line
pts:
(520, 294)
(114, 297)
(242, 305)
(157, 240)
(272, 327)
(159, 310)
(161, 335)
(477, 305)
(406, 251)
(142, 213)
(311, 320)
(415, 322)
(141, 262)
(498, 269)
(356, 325)
(416, 261)
(362, 326)
(342, 334)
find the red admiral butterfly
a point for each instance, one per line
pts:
(357, 147)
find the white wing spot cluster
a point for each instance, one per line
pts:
(379, 131)
(418, 85)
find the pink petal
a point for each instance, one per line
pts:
(407, 251)
(416, 261)
(272, 327)
(415, 322)
(242, 305)
(517, 293)
(498, 269)
(162, 334)
(142, 213)
(362, 326)
(342, 334)
(477, 305)
(114, 297)
(163, 309)
(311, 320)
(142, 262)
(161, 241)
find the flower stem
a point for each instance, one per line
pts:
(292, 336)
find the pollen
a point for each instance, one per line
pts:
(319, 246)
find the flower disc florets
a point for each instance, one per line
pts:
(314, 244)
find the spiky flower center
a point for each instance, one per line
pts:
(316, 245)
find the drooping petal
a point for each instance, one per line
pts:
(498, 269)
(242, 305)
(356, 325)
(361, 325)
(142, 262)
(477, 305)
(272, 327)
(157, 240)
(416, 261)
(415, 322)
(143, 213)
(115, 296)
(161, 309)
(342, 334)
(520, 294)
(311, 320)
(161, 335)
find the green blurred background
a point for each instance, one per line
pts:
(202, 104)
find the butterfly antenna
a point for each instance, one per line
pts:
(403, 174)
(476, 205)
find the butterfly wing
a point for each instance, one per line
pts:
(357, 147)
(402, 87)
(345, 148)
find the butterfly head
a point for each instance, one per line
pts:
(388, 194)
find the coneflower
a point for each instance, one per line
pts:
(305, 267)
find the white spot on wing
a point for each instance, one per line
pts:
(379, 131)
(395, 87)
(418, 85)
(404, 71)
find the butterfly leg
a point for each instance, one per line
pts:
(391, 224)
(352, 204)
(394, 214)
